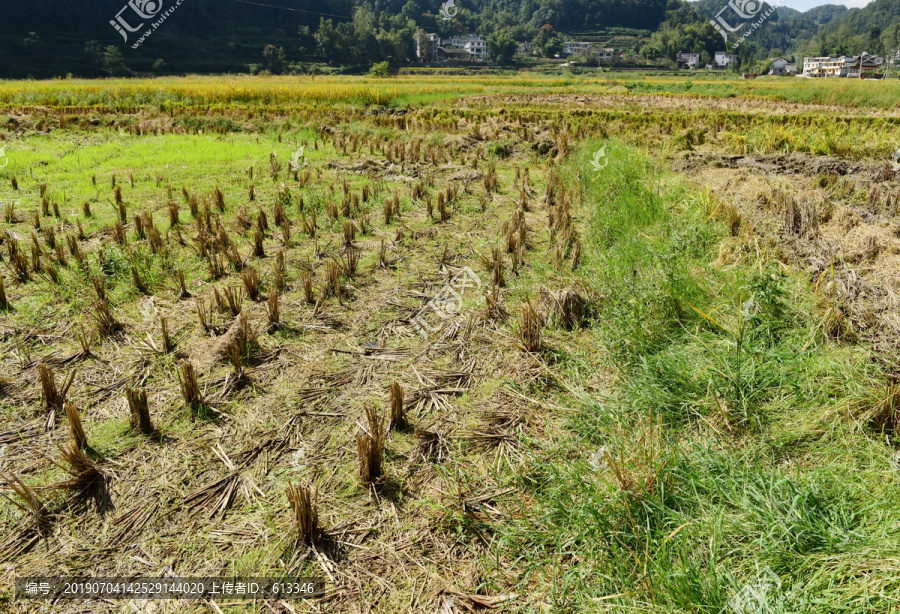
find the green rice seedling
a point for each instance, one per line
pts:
(9, 212)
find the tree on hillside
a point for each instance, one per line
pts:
(275, 59)
(114, 62)
(502, 47)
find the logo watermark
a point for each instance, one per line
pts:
(895, 160)
(298, 459)
(140, 10)
(597, 460)
(296, 158)
(600, 154)
(758, 597)
(447, 304)
(449, 10)
(740, 12)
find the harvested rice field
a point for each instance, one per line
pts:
(453, 344)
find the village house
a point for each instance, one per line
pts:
(782, 66)
(687, 60)
(722, 59)
(587, 50)
(575, 48)
(842, 66)
(467, 48)
(525, 49)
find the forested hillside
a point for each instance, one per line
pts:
(57, 37)
(60, 36)
(874, 28)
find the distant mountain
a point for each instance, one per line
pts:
(827, 13)
(874, 28)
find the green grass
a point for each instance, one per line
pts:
(728, 429)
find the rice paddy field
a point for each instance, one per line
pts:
(454, 343)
